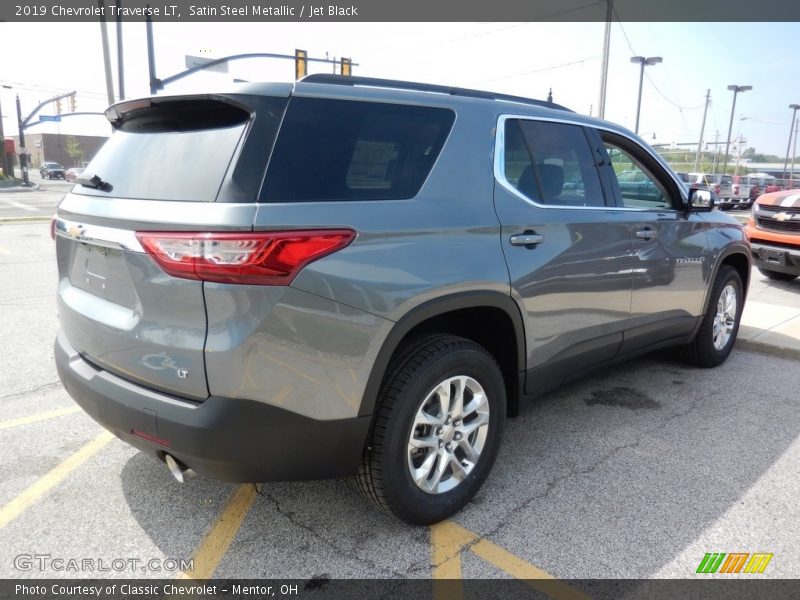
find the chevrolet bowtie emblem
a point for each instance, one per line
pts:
(782, 216)
(75, 231)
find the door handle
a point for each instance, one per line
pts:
(529, 239)
(646, 234)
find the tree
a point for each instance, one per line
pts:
(73, 147)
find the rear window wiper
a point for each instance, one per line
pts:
(95, 181)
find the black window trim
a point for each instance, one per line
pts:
(499, 160)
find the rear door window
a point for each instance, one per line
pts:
(551, 163)
(329, 150)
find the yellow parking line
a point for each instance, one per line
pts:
(217, 541)
(446, 545)
(38, 417)
(48, 481)
(532, 575)
(449, 540)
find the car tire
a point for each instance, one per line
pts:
(425, 483)
(718, 329)
(777, 275)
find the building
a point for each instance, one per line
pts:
(773, 169)
(67, 150)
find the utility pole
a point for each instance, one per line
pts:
(794, 108)
(794, 152)
(601, 105)
(715, 162)
(740, 142)
(702, 130)
(120, 61)
(106, 58)
(151, 53)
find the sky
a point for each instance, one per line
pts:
(526, 59)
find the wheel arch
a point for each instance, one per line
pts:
(736, 256)
(482, 316)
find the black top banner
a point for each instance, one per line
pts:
(399, 10)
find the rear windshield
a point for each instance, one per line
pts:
(331, 150)
(178, 150)
(726, 179)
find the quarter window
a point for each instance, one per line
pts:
(346, 150)
(638, 189)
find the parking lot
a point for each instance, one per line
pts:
(636, 472)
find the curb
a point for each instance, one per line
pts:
(42, 219)
(17, 189)
(771, 349)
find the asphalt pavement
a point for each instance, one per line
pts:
(635, 472)
(38, 202)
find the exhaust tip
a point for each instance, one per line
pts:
(179, 471)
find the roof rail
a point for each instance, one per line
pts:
(424, 87)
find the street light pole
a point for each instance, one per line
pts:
(643, 62)
(735, 89)
(3, 158)
(794, 108)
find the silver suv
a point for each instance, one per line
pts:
(357, 277)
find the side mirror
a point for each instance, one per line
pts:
(701, 200)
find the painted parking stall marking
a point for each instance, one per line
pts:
(59, 412)
(449, 540)
(220, 537)
(47, 482)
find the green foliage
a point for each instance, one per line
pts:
(73, 147)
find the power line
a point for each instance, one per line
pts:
(542, 70)
(660, 93)
(33, 87)
(765, 122)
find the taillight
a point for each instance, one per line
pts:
(736, 190)
(259, 258)
(716, 189)
(53, 227)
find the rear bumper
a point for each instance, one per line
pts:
(775, 258)
(226, 439)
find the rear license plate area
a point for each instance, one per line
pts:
(91, 270)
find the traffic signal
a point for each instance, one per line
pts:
(346, 66)
(58, 106)
(300, 64)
